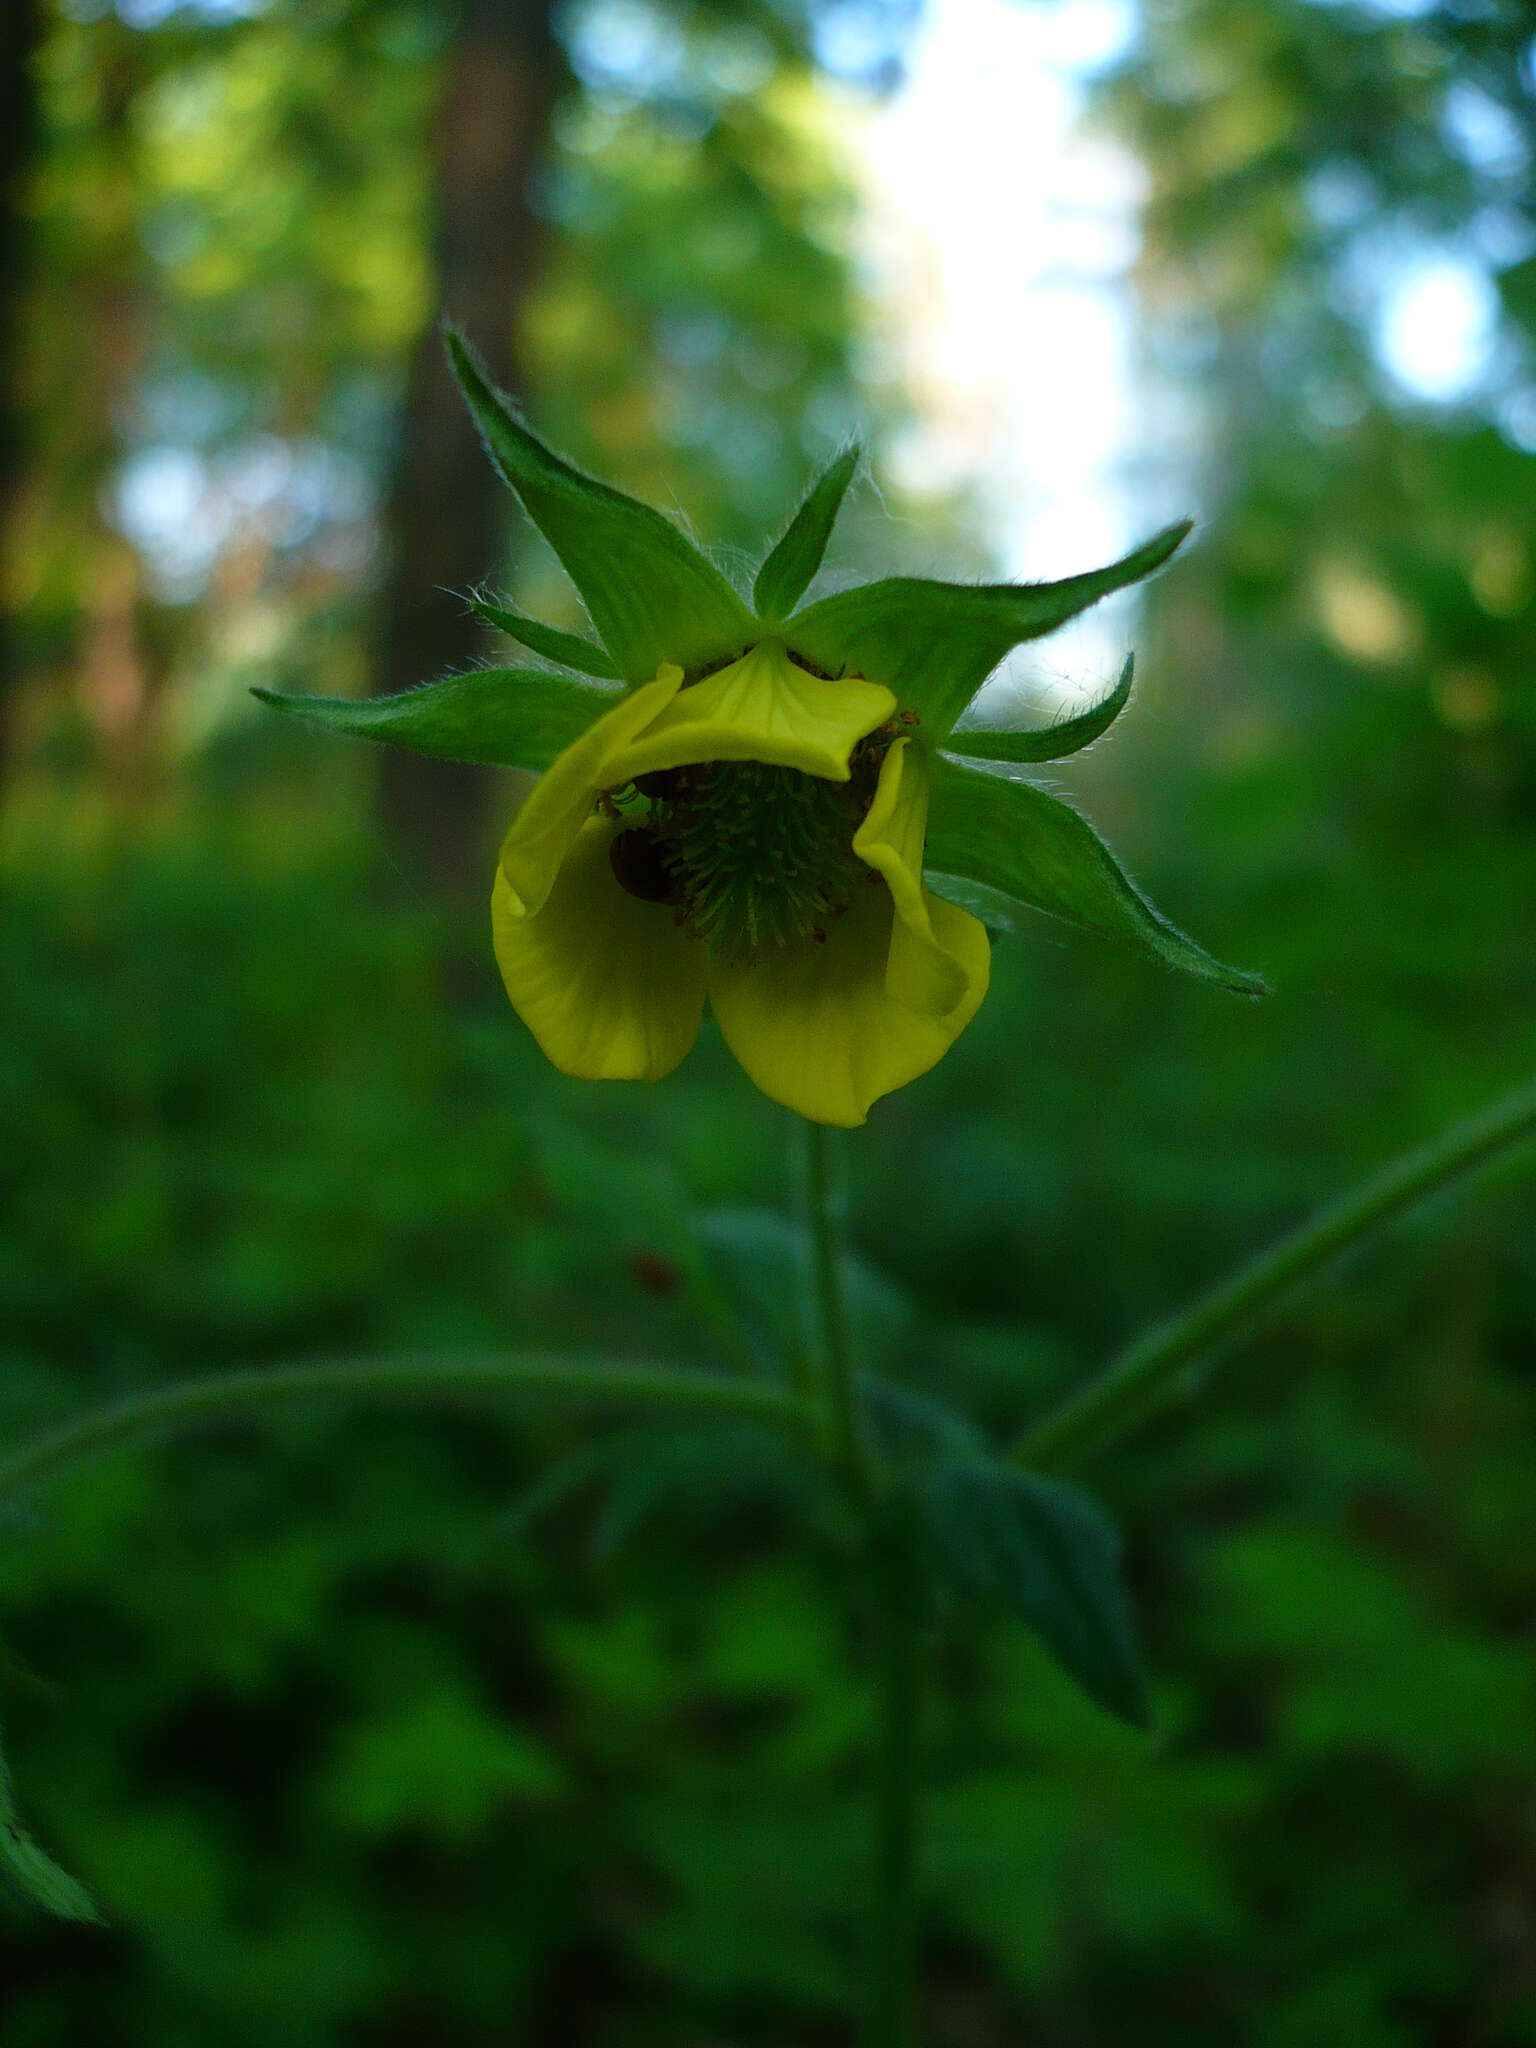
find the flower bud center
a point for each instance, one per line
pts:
(749, 854)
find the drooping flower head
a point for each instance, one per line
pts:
(744, 804)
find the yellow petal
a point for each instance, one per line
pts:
(561, 801)
(921, 971)
(762, 708)
(607, 984)
(816, 1027)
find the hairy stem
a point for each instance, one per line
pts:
(892, 1968)
(890, 2019)
(830, 1306)
(1147, 1375)
(160, 1411)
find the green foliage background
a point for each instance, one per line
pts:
(357, 1735)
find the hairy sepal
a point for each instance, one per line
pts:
(935, 644)
(570, 650)
(1032, 849)
(786, 574)
(1045, 742)
(500, 717)
(651, 594)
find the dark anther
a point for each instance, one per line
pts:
(640, 867)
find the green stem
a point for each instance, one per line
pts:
(890, 2018)
(831, 1311)
(602, 1382)
(1147, 1375)
(897, 1640)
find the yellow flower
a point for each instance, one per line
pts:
(753, 827)
(756, 838)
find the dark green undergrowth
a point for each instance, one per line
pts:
(360, 1734)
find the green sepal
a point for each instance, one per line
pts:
(571, 650)
(651, 594)
(1015, 840)
(935, 644)
(1045, 742)
(502, 717)
(34, 1873)
(1048, 1557)
(786, 574)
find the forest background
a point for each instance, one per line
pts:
(357, 1736)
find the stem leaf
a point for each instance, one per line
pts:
(1046, 1555)
(1150, 1372)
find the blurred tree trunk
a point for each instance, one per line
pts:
(448, 512)
(19, 26)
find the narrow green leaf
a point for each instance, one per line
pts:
(1045, 1554)
(652, 595)
(1010, 837)
(935, 644)
(571, 650)
(786, 574)
(1045, 742)
(504, 717)
(33, 1873)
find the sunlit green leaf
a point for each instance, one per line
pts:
(571, 650)
(652, 595)
(1012, 838)
(31, 1871)
(504, 717)
(935, 644)
(1049, 1557)
(786, 574)
(1045, 742)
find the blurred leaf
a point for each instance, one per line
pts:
(571, 650)
(652, 595)
(762, 1258)
(913, 1428)
(935, 644)
(438, 1763)
(31, 1870)
(786, 574)
(502, 717)
(1048, 742)
(1009, 836)
(1047, 1555)
(706, 1478)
